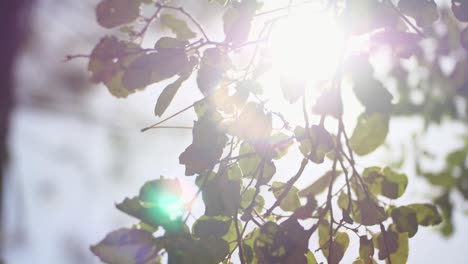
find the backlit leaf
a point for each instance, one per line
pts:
(177, 26)
(405, 220)
(113, 13)
(370, 132)
(320, 185)
(427, 214)
(167, 95)
(291, 200)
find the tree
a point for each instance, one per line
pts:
(236, 145)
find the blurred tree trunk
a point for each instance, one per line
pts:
(13, 18)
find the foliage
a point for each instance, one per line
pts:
(235, 145)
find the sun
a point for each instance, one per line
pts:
(307, 44)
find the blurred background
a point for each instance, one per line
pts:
(74, 150)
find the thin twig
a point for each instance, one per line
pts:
(169, 117)
(288, 187)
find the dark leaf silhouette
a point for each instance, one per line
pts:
(113, 13)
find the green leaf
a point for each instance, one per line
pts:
(425, 12)
(385, 182)
(446, 205)
(167, 95)
(284, 243)
(365, 211)
(320, 185)
(370, 132)
(366, 249)
(398, 246)
(177, 26)
(211, 226)
(311, 258)
(247, 197)
(113, 13)
(405, 220)
(370, 92)
(315, 143)
(221, 195)
(206, 148)
(170, 43)
(127, 246)
(339, 245)
(249, 165)
(291, 201)
(427, 214)
(279, 144)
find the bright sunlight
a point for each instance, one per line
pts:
(307, 44)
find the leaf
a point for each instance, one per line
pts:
(177, 26)
(369, 91)
(214, 226)
(107, 61)
(366, 249)
(167, 95)
(221, 195)
(249, 165)
(365, 211)
(370, 132)
(315, 143)
(279, 143)
(405, 220)
(320, 185)
(206, 148)
(154, 67)
(113, 13)
(291, 201)
(339, 244)
(284, 243)
(446, 205)
(425, 12)
(247, 197)
(385, 182)
(427, 214)
(460, 10)
(127, 246)
(398, 246)
(237, 21)
(213, 66)
(170, 43)
(183, 249)
(158, 204)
